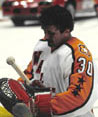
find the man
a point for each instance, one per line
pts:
(63, 64)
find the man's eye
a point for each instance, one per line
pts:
(51, 33)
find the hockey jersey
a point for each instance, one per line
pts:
(70, 69)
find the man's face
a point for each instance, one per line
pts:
(54, 37)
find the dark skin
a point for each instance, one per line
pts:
(56, 38)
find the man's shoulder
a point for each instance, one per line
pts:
(79, 48)
(74, 41)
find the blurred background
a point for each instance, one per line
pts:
(20, 29)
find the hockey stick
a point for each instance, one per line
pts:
(11, 61)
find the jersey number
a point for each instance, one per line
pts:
(83, 66)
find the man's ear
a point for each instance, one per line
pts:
(67, 32)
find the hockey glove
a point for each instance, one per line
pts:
(11, 92)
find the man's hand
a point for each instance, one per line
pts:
(37, 83)
(34, 86)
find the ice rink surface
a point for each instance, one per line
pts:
(20, 41)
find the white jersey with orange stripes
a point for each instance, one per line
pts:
(70, 69)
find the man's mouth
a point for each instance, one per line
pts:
(50, 43)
